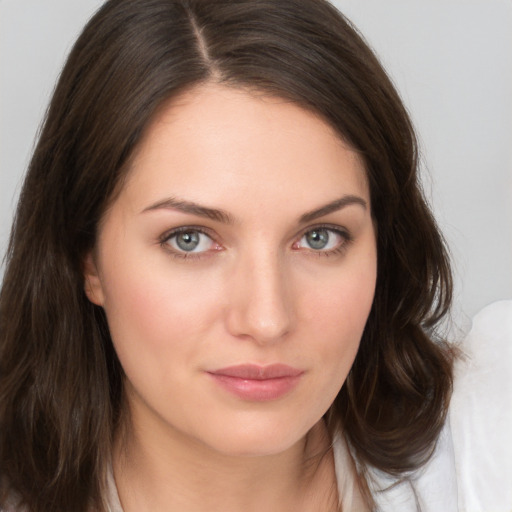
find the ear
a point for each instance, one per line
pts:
(92, 282)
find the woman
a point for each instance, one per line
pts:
(223, 280)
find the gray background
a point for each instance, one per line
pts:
(451, 60)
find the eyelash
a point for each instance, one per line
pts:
(168, 235)
(340, 249)
(347, 239)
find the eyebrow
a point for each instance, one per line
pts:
(333, 206)
(172, 203)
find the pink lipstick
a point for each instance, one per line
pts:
(257, 383)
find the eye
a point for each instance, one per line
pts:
(323, 239)
(189, 240)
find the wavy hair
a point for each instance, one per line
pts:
(61, 384)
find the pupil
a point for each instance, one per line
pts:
(318, 238)
(187, 241)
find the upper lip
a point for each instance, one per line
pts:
(257, 372)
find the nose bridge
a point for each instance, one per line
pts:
(261, 306)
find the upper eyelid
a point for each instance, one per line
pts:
(331, 227)
(208, 231)
(164, 242)
(340, 230)
(182, 229)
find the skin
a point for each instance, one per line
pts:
(253, 291)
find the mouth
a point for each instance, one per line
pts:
(257, 383)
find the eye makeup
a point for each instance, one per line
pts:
(189, 242)
(193, 242)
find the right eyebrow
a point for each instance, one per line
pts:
(173, 203)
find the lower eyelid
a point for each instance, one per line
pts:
(166, 239)
(345, 239)
(344, 235)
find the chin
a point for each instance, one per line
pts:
(255, 447)
(251, 441)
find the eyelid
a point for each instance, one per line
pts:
(338, 230)
(330, 227)
(167, 235)
(183, 229)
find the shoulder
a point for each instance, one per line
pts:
(431, 489)
(481, 412)
(471, 467)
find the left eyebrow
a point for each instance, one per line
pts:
(333, 206)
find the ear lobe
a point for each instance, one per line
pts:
(92, 282)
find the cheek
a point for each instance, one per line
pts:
(343, 302)
(157, 317)
(337, 315)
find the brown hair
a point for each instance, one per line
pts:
(61, 384)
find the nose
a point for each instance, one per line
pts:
(260, 303)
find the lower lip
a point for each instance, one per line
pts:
(257, 390)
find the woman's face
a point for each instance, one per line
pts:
(237, 269)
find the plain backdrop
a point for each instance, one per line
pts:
(451, 60)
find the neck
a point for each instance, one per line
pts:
(171, 472)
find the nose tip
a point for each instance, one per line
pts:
(263, 327)
(260, 307)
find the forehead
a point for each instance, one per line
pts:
(218, 143)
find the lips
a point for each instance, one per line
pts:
(255, 372)
(257, 383)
